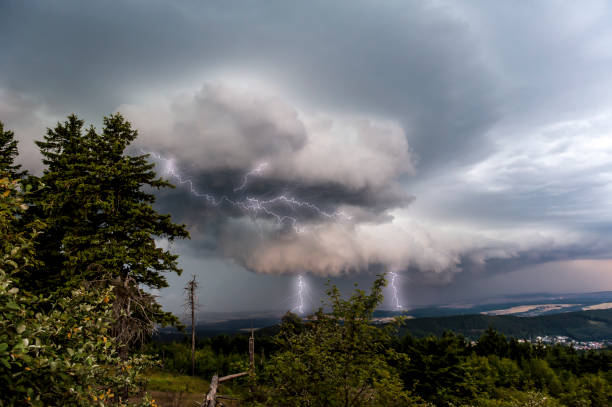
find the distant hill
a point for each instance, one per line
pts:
(210, 329)
(582, 325)
(525, 305)
(576, 315)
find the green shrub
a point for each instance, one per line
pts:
(54, 350)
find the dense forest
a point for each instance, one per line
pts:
(78, 254)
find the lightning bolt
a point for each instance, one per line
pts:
(301, 287)
(255, 171)
(251, 205)
(394, 290)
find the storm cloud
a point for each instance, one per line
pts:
(460, 140)
(322, 162)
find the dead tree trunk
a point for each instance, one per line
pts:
(252, 353)
(191, 303)
(211, 400)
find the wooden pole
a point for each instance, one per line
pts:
(252, 352)
(193, 283)
(210, 399)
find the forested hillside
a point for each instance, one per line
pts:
(583, 325)
(327, 357)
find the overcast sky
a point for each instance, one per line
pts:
(466, 146)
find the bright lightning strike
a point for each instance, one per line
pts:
(394, 290)
(255, 171)
(301, 287)
(251, 205)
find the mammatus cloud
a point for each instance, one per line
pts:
(335, 163)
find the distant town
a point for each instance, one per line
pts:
(565, 340)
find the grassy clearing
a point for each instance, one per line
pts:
(176, 390)
(174, 382)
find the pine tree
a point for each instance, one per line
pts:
(101, 222)
(55, 202)
(8, 152)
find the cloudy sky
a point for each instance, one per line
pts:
(465, 146)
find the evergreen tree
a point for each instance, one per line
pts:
(55, 202)
(101, 222)
(8, 152)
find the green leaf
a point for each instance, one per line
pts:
(5, 363)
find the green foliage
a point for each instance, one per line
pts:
(63, 356)
(172, 382)
(8, 153)
(496, 372)
(54, 350)
(438, 370)
(492, 343)
(177, 358)
(99, 224)
(16, 240)
(309, 365)
(514, 398)
(98, 214)
(338, 358)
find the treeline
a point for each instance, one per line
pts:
(582, 325)
(496, 371)
(77, 249)
(442, 370)
(340, 358)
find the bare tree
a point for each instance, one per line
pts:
(134, 311)
(190, 305)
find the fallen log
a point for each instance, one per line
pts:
(232, 376)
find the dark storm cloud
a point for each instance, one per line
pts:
(494, 116)
(317, 175)
(227, 134)
(327, 197)
(332, 163)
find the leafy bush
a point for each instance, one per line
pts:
(337, 358)
(54, 350)
(63, 356)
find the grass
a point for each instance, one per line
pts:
(177, 390)
(174, 382)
